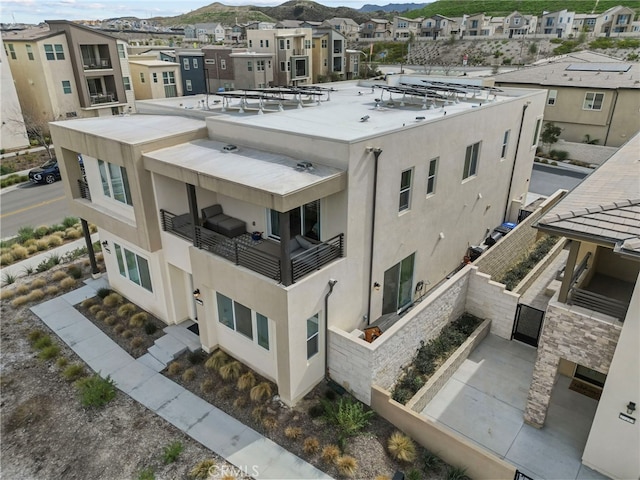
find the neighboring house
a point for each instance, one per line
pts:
(291, 49)
(251, 69)
(328, 55)
(478, 25)
(346, 26)
(518, 24)
(600, 99)
(260, 25)
(65, 70)
(13, 134)
(592, 323)
(403, 28)
(204, 32)
(439, 26)
(279, 221)
(376, 28)
(219, 67)
(584, 22)
(153, 78)
(235, 33)
(496, 25)
(558, 23)
(192, 71)
(353, 63)
(615, 20)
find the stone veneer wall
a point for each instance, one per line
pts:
(510, 248)
(575, 334)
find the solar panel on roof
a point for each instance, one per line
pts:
(599, 67)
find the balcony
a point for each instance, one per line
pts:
(101, 98)
(84, 189)
(96, 63)
(261, 255)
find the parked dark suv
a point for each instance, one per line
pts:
(47, 173)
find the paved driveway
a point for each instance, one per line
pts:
(485, 401)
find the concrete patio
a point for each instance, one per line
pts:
(485, 401)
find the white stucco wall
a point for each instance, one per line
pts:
(12, 131)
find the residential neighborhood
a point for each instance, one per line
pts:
(271, 228)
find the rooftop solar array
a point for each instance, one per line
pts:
(599, 67)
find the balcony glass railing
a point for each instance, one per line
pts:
(96, 63)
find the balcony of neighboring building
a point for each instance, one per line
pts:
(95, 57)
(101, 90)
(266, 213)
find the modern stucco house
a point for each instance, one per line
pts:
(290, 211)
(592, 324)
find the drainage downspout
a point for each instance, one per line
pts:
(332, 283)
(515, 159)
(613, 109)
(376, 154)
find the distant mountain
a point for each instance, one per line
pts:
(311, 11)
(392, 7)
(216, 13)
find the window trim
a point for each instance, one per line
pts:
(125, 268)
(185, 64)
(432, 177)
(106, 177)
(59, 51)
(48, 52)
(505, 144)
(590, 107)
(313, 337)
(256, 318)
(536, 132)
(552, 97)
(405, 190)
(29, 52)
(66, 89)
(188, 85)
(127, 83)
(471, 160)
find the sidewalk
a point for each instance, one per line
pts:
(235, 442)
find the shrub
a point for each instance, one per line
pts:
(34, 335)
(174, 368)
(347, 466)
(225, 392)
(62, 362)
(31, 249)
(8, 279)
(348, 415)
(110, 320)
(414, 474)
(430, 462)
(6, 259)
(172, 452)
(25, 233)
(22, 289)
(67, 282)
(42, 244)
(311, 445)
(137, 342)
(96, 391)
(89, 302)
(42, 342)
(138, 320)
(41, 231)
(126, 333)
(58, 275)
(6, 294)
(202, 469)
(38, 283)
(19, 252)
(35, 295)
(53, 241)
(240, 402)
(52, 290)
(197, 357)
(150, 328)
(93, 309)
(189, 374)
(257, 413)
(112, 299)
(146, 474)
(73, 372)
(103, 292)
(207, 385)
(72, 233)
(401, 447)
(456, 473)
(316, 410)
(231, 370)
(292, 432)
(260, 392)
(101, 315)
(216, 361)
(118, 329)
(269, 422)
(19, 301)
(75, 272)
(330, 453)
(49, 352)
(246, 381)
(126, 309)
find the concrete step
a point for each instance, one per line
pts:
(187, 337)
(161, 355)
(152, 362)
(171, 345)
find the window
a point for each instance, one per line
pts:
(249, 66)
(210, 61)
(398, 282)
(195, 63)
(283, 66)
(304, 220)
(121, 52)
(266, 43)
(281, 44)
(250, 43)
(59, 51)
(431, 176)
(505, 144)
(260, 65)
(261, 43)
(185, 63)
(223, 64)
(405, 189)
(29, 52)
(48, 51)
(241, 319)
(155, 77)
(593, 101)
(307, 44)
(312, 336)
(133, 267)
(288, 44)
(551, 98)
(141, 77)
(536, 132)
(169, 81)
(189, 86)
(326, 62)
(471, 161)
(324, 43)
(115, 183)
(127, 83)
(12, 51)
(66, 86)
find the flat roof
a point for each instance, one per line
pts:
(267, 179)
(133, 129)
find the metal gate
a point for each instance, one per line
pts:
(527, 325)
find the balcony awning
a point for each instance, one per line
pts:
(261, 178)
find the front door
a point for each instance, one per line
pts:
(398, 286)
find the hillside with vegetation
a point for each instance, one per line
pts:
(311, 11)
(216, 13)
(456, 8)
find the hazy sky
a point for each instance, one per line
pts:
(36, 11)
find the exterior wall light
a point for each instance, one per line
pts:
(196, 296)
(105, 246)
(376, 285)
(631, 407)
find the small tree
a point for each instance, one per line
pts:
(550, 134)
(37, 128)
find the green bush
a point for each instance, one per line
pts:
(25, 233)
(68, 222)
(49, 352)
(172, 452)
(348, 415)
(42, 342)
(96, 391)
(602, 43)
(146, 474)
(73, 372)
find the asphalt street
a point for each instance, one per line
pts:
(547, 179)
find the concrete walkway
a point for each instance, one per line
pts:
(235, 442)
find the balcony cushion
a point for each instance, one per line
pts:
(232, 227)
(211, 211)
(212, 223)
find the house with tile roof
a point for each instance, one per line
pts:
(591, 326)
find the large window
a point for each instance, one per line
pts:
(431, 176)
(304, 220)
(405, 189)
(115, 183)
(398, 286)
(593, 101)
(312, 336)
(59, 51)
(169, 80)
(551, 98)
(505, 144)
(134, 267)
(48, 51)
(471, 161)
(243, 320)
